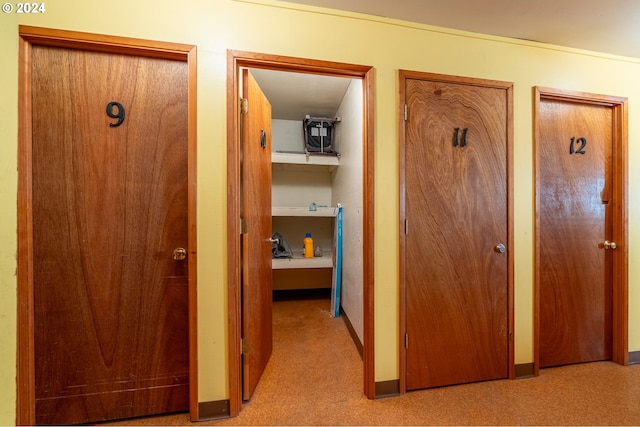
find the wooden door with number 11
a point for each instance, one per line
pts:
(456, 263)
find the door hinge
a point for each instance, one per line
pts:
(406, 226)
(406, 112)
(244, 105)
(243, 346)
(406, 340)
(243, 226)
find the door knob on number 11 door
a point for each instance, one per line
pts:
(179, 254)
(500, 248)
(609, 245)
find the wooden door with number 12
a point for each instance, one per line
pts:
(575, 199)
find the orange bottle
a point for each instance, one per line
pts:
(308, 246)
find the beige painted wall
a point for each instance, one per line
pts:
(8, 218)
(281, 28)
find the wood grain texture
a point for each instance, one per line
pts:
(257, 287)
(109, 207)
(456, 204)
(575, 216)
(190, 57)
(620, 226)
(106, 43)
(368, 240)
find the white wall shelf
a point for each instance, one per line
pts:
(297, 181)
(298, 261)
(322, 212)
(310, 162)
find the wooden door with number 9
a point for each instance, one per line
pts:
(109, 222)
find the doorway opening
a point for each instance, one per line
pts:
(288, 186)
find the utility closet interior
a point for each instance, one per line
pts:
(308, 187)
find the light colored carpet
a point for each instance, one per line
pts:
(315, 377)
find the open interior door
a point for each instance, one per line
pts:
(256, 233)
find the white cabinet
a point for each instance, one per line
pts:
(302, 203)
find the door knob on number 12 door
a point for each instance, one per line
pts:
(500, 248)
(609, 245)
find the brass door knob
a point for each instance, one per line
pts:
(179, 254)
(609, 245)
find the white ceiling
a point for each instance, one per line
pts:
(608, 26)
(294, 95)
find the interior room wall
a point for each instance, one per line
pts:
(308, 32)
(8, 217)
(287, 135)
(347, 184)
